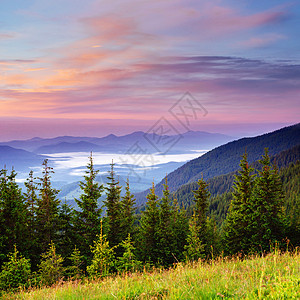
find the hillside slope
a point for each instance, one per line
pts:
(223, 183)
(18, 159)
(226, 158)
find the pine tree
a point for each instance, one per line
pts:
(87, 221)
(149, 229)
(127, 213)
(51, 267)
(12, 214)
(268, 206)
(113, 209)
(238, 229)
(31, 199)
(47, 210)
(181, 226)
(194, 249)
(15, 272)
(128, 261)
(74, 270)
(103, 258)
(166, 230)
(66, 233)
(201, 196)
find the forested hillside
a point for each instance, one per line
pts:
(222, 184)
(225, 159)
(44, 240)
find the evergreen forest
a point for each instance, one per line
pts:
(43, 240)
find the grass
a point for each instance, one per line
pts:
(275, 276)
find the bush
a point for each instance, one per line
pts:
(51, 269)
(103, 258)
(15, 273)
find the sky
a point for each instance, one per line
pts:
(95, 67)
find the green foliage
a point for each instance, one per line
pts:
(47, 210)
(15, 272)
(238, 230)
(73, 271)
(127, 213)
(291, 186)
(128, 262)
(201, 196)
(30, 200)
(166, 230)
(51, 267)
(225, 159)
(88, 218)
(149, 229)
(268, 220)
(113, 209)
(275, 276)
(12, 214)
(66, 230)
(103, 258)
(221, 184)
(194, 249)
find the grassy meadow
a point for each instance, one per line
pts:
(275, 276)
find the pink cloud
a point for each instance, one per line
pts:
(216, 20)
(262, 41)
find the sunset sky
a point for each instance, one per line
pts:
(74, 67)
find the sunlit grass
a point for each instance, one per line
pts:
(276, 276)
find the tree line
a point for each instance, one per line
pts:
(44, 240)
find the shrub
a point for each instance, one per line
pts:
(15, 273)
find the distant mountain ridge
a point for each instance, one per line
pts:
(225, 159)
(222, 184)
(150, 142)
(18, 158)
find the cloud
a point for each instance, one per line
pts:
(135, 64)
(4, 36)
(262, 41)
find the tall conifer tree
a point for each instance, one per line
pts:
(149, 229)
(88, 217)
(12, 214)
(113, 209)
(197, 236)
(31, 200)
(268, 206)
(127, 211)
(166, 228)
(238, 229)
(47, 210)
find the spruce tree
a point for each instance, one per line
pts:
(88, 218)
(15, 272)
(12, 214)
(113, 209)
(103, 258)
(201, 197)
(66, 233)
(195, 248)
(197, 238)
(74, 269)
(47, 213)
(166, 230)
(127, 213)
(51, 268)
(149, 229)
(31, 199)
(268, 216)
(238, 229)
(128, 262)
(180, 223)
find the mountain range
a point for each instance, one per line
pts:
(149, 142)
(226, 158)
